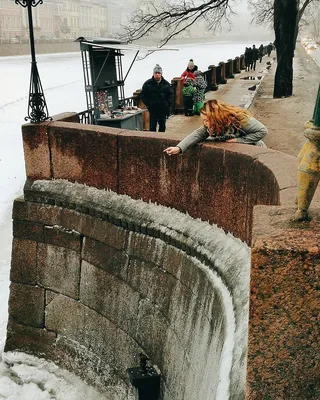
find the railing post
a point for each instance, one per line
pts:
(178, 100)
(242, 63)
(223, 72)
(236, 65)
(214, 85)
(145, 115)
(230, 69)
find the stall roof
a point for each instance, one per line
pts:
(109, 43)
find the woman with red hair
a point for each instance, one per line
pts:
(223, 122)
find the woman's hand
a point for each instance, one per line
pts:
(234, 140)
(172, 150)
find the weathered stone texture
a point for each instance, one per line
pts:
(28, 230)
(29, 339)
(41, 213)
(110, 297)
(93, 331)
(284, 334)
(36, 151)
(75, 146)
(152, 283)
(59, 269)
(105, 257)
(26, 304)
(24, 261)
(58, 236)
(110, 291)
(95, 228)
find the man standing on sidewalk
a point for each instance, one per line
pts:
(157, 96)
(255, 57)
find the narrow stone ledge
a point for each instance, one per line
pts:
(42, 213)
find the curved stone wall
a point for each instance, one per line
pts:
(98, 278)
(220, 183)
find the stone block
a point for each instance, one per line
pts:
(36, 151)
(24, 261)
(29, 339)
(59, 269)
(75, 146)
(63, 238)
(26, 304)
(36, 212)
(284, 334)
(28, 230)
(152, 282)
(103, 256)
(72, 220)
(109, 296)
(93, 332)
(152, 331)
(50, 296)
(146, 248)
(95, 228)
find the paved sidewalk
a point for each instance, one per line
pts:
(235, 91)
(285, 118)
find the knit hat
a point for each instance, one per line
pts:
(190, 64)
(157, 68)
(197, 73)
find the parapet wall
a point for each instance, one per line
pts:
(220, 183)
(97, 278)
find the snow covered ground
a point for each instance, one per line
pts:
(21, 376)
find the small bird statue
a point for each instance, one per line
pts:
(252, 87)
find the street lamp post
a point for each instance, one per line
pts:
(37, 107)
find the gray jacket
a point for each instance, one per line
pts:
(250, 133)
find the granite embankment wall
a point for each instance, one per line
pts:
(100, 275)
(98, 278)
(18, 49)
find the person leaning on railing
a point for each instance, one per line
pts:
(223, 122)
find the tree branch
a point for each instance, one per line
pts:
(171, 19)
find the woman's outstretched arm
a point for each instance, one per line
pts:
(199, 135)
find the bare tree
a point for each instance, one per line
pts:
(285, 16)
(169, 19)
(263, 12)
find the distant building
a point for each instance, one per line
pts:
(63, 19)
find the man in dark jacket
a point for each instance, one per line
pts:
(157, 96)
(255, 57)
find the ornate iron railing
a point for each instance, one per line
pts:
(86, 117)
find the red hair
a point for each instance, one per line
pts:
(221, 116)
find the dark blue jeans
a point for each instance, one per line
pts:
(158, 117)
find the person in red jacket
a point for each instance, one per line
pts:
(189, 72)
